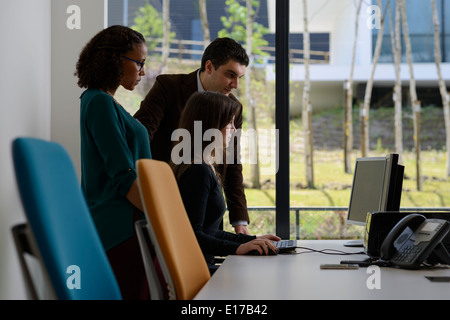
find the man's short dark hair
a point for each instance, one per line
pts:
(221, 50)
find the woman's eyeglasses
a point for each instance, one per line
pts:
(139, 63)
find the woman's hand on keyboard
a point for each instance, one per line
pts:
(261, 245)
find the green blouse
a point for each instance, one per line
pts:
(111, 143)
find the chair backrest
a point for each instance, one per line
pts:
(171, 232)
(61, 223)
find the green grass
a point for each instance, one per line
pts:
(332, 188)
(332, 184)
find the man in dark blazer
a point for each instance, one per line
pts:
(223, 63)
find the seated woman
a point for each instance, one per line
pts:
(210, 113)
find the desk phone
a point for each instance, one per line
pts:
(415, 239)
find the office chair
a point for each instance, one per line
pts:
(60, 231)
(25, 246)
(179, 254)
(156, 285)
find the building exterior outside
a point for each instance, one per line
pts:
(331, 25)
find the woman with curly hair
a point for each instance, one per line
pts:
(111, 142)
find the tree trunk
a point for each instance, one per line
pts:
(416, 108)
(364, 112)
(166, 35)
(205, 24)
(348, 108)
(251, 117)
(442, 86)
(307, 108)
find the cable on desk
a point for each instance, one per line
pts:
(325, 251)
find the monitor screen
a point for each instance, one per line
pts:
(376, 182)
(367, 189)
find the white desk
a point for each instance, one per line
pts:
(296, 277)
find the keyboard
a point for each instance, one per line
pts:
(285, 245)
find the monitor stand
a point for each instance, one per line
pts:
(354, 243)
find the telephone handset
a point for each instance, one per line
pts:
(415, 239)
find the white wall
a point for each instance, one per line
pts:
(25, 108)
(39, 98)
(72, 27)
(342, 35)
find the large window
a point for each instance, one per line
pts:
(279, 185)
(184, 53)
(421, 30)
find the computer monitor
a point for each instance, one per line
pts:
(377, 186)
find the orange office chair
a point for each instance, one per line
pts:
(179, 254)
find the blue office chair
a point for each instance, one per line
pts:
(60, 224)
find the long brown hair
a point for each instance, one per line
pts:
(214, 111)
